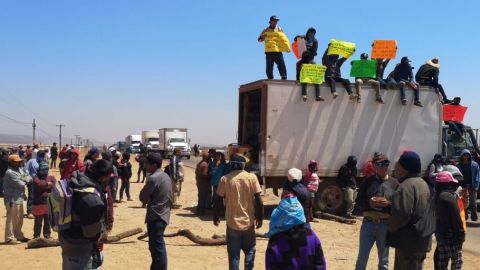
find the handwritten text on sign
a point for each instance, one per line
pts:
(384, 49)
(276, 42)
(454, 113)
(311, 73)
(342, 48)
(364, 69)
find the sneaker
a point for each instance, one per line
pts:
(30, 216)
(404, 102)
(304, 98)
(350, 216)
(319, 98)
(474, 217)
(418, 103)
(335, 95)
(11, 242)
(24, 240)
(353, 96)
(380, 100)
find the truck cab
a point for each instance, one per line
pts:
(453, 145)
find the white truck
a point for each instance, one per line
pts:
(283, 132)
(133, 142)
(173, 138)
(150, 140)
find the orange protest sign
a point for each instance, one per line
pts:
(454, 113)
(384, 49)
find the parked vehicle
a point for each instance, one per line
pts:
(133, 143)
(173, 138)
(283, 132)
(150, 140)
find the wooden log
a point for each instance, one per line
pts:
(327, 216)
(122, 235)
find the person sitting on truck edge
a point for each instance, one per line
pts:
(307, 58)
(273, 57)
(333, 73)
(347, 179)
(374, 199)
(311, 181)
(427, 75)
(456, 126)
(375, 83)
(471, 175)
(403, 75)
(389, 82)
(176, 173)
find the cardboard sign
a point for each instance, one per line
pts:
(384, 49)
(364, 69)
(342, 48)
(454, 113)
(276, 42)
(313, 74)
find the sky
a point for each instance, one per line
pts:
(107, 69)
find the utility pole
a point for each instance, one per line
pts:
(60, 126)
(34, 125)
(77, 142)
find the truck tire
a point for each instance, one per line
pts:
(188, 157)
(330, 198)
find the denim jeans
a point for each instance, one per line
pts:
(402, 85)
(333, 88)
(371, 233)
(37, 226)
(277, 58)
(156, 244)
(387, 83)
(472, 205)
(125, 187)
(203, 192)
(241, 240)
(304, 89)
(77, 262)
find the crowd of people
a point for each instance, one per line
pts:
(400, 77)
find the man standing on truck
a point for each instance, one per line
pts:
(273, 57)
(347, 177)
(471, 182)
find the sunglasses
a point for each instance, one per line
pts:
(384, 163)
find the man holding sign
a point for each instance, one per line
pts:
(365, 71)
(275, 43)
(333, 73)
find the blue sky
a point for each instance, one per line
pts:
(107, 69)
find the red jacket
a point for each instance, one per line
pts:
(72, 165)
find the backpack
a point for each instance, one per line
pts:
(60, 203)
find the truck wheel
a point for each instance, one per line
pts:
(329, 198)
(188, 157)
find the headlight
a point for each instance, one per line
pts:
(170, 147)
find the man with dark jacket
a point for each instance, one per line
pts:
(409, 203)
(403, 75)
(471, 182)
(157, 194)
(53, 156)
(449, 232)
(273, 57)
(311, 42)
(333, 73)
(203, 183)
(3, 167)
(427, 75)
(347, 179)
(89, 214)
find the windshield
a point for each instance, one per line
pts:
(135, 142)
(177, 140)
(455, 144)
(153, 139)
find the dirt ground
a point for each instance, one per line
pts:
(340, 241)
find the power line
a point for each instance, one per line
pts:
(14, 120)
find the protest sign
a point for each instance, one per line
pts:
(311, 73)
(454, 113)
(364, 69)
(384, 49)
(342, 48)
(299, 47)
(276, 42)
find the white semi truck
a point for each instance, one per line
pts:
(173, 138)
(150, 140)
(283, 132)
(133, 142)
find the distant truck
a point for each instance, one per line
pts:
(281, 132)
(173, 138)
(133, 142)
(150, 140)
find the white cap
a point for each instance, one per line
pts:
(294, 174)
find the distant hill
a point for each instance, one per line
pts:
(25, 139)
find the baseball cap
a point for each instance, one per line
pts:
(274, 18)
(14, 158)
(405, 59)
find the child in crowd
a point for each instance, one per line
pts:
(311, 181)
(42, 186)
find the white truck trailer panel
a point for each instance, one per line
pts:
(331, 130)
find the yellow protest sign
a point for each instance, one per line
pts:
(311, 73)
(276, 42)
(384, 49)
(342, 48)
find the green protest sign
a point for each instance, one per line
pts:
(364, 69)
(313, 74)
